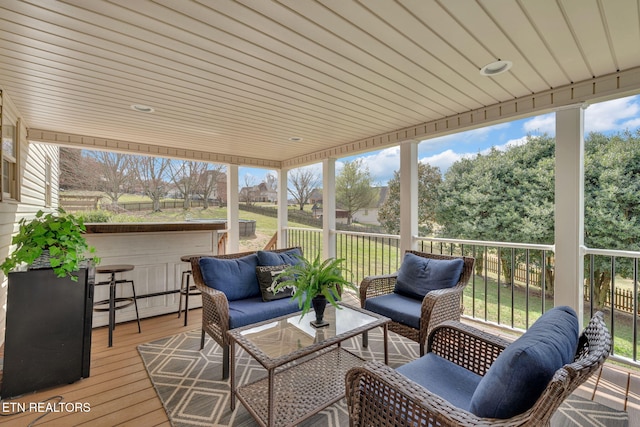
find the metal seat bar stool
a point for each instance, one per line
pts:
(185, 289)
(114, 302)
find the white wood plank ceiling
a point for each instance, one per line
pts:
(234, 80)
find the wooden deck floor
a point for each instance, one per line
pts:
(119, 391)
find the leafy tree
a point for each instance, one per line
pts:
(429, 179)
(502, 196)
(302, 183)
(612, 203)
(354, 188)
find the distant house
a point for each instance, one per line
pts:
(342, 216)
(369, 215)
(258, 193)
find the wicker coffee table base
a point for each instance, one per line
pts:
(301, 390)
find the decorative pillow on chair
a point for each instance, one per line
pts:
(418, 275)
(523, 370)
(235, 277)
(266, 280)
(279, 258)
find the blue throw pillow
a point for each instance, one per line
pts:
(235, 277)
(523, 370)
(418, 275)
(278, 258)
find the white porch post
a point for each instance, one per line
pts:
(283, 208)
(233, 217)
(328, 208)
(408, 194)
(569, 209)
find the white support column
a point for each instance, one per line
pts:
(328, 208)
(283, 208)
(569, 209)
(408, 194)
(233, 217)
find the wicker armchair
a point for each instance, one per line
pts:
(378, 395)
(437, 306)
(215, 308)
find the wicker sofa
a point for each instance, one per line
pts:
(471, 378)
(235, 300)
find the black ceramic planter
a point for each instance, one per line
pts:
(48, 330)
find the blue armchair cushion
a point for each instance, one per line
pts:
(520, 374)
(235, 277)
(452, 382)
(397, 307)
(278, 258)
(267, 280)
(418, 275)
(252, 310)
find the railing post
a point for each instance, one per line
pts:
(569, 209)
(328, 208)
(408, 195)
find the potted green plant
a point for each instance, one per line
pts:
(50, 240)
(49, 306)
(315, 282)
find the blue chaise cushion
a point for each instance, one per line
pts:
(252, 310)
(397, 307)
(451, 382)
(235, 277)
(523, 370)
(418, 275)
(278, 258)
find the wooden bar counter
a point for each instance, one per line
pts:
(155, 250)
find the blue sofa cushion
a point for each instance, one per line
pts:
(251, 310)
(418, 275)
(235, 277)
(520, 374)
(267, 280)
(278, 258)
(397, 307)
(444, 378)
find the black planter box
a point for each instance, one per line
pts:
(48, 330)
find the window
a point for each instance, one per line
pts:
(47, 181)
(10, 160)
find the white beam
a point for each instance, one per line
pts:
(408, 194)
(233, 216)
(328, 207)
(569, 209)
(283, 209)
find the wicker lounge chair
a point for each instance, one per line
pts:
(378, 395)
(437, 306)
(215, 307)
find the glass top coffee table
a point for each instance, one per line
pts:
(305, 366)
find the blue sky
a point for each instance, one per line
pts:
(607, 117)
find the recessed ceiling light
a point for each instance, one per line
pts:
(142, 108)
(295, 139)
(494, 68)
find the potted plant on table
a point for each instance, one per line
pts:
(315, 282)
(49, 304)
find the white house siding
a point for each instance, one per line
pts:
(31, 191)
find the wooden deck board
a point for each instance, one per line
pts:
(119, 391)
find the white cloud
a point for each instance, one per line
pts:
(443, 160)
(541, 124)
(511, 143)
(612, 115)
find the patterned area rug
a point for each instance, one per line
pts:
(188, 383)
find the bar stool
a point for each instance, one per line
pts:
(114, 303)
(185, 288)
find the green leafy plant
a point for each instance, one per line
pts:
(312, 278)
(61, 235)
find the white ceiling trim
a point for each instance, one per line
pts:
(599, 89)
(94, 143)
